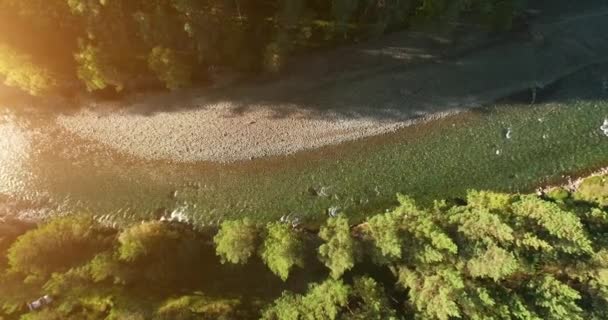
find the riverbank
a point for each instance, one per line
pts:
(311, 109)
(557, 137)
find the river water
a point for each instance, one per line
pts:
(40, 163)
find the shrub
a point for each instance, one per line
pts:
(593, 190)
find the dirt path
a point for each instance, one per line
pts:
(382, 86)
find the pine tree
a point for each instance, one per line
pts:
(369, 301)
(236, 241)
(282, 249)
(337, 253)
(322, 301)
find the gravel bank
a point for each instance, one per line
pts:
(218, 133)
(314, 109)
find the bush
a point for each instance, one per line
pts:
(558, 194)
(593, 190)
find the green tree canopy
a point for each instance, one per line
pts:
(282, 249)
(337, 253)
(114, 43)
(58, 246)
(236, 241)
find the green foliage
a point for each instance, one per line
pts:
(593, 190)
(337, 253)
(282, 249)
(58, 246)
(151, 239)
(236, 241)
(555, 299)
(196, 307)
(488, 200)
(10, 229)
(497, 257)
(18, 70)
(170, 68)
(105, 266)
(435, 292)
(427, 242)
(495, 263)
(479, 224)
(369, 301)
(561, 224)
(287, 307)
(95, 70)
(384, 230)
(153, 250)
(121, 41)
(558, 194)
(322, 301)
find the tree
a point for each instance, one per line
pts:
(155, 250)
(18, 70)
(555, 299)
(495, 263)
(385, 232)
(337, 253)
(282, 249)
(322, 301)
(95, 69)
(170, 68)
(496, 257)
(369, 301)
(435, 292)
(58, 245)
(192, 307)
(236, 241)
(114, 43)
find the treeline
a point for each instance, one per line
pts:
(498, 256)
(117, 44)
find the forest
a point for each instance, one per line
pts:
(68, 46)
(489, 256)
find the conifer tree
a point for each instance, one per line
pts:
(236, 241)
(282, 249)
(337, 253)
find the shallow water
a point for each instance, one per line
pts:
(39, 161)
